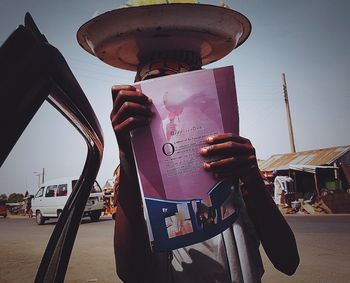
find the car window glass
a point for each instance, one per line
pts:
(96, 188)
(40, 193)
(61, 190)
(50, 191)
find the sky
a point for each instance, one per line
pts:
(305, 39)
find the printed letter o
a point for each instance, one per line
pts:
(168, 149)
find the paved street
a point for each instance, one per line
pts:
(323, 242)
(324, 248)
(22, 244)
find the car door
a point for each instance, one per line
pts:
(38, 200)
(32, 71)
(50, 201)
(61, 198)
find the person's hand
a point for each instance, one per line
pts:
(131, 110)
(234, 156)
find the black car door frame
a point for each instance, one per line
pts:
(32, 71)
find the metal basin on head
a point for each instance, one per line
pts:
(120, 36)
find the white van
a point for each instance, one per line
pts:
(52, 196)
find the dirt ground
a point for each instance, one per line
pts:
(323, 243)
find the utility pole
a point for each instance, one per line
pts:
(38, 175)
(41, 177)
(289, 119)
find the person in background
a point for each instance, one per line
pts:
(281, 188)
(28, 204)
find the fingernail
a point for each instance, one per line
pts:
(204, 150)
(150, 100)
(210, 139)
(206, 165)
(138, 90)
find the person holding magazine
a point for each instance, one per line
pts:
(162, 40)
(233, 255)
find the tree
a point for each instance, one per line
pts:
(3, 197)
(15, 197)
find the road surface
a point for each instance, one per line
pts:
(323, 242)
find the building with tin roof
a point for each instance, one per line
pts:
(315, 172)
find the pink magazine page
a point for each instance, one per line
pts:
(188, 108)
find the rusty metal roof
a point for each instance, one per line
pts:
(324, 156)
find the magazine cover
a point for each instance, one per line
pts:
(184, 204)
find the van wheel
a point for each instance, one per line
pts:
(95, 216)
(40, 219)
